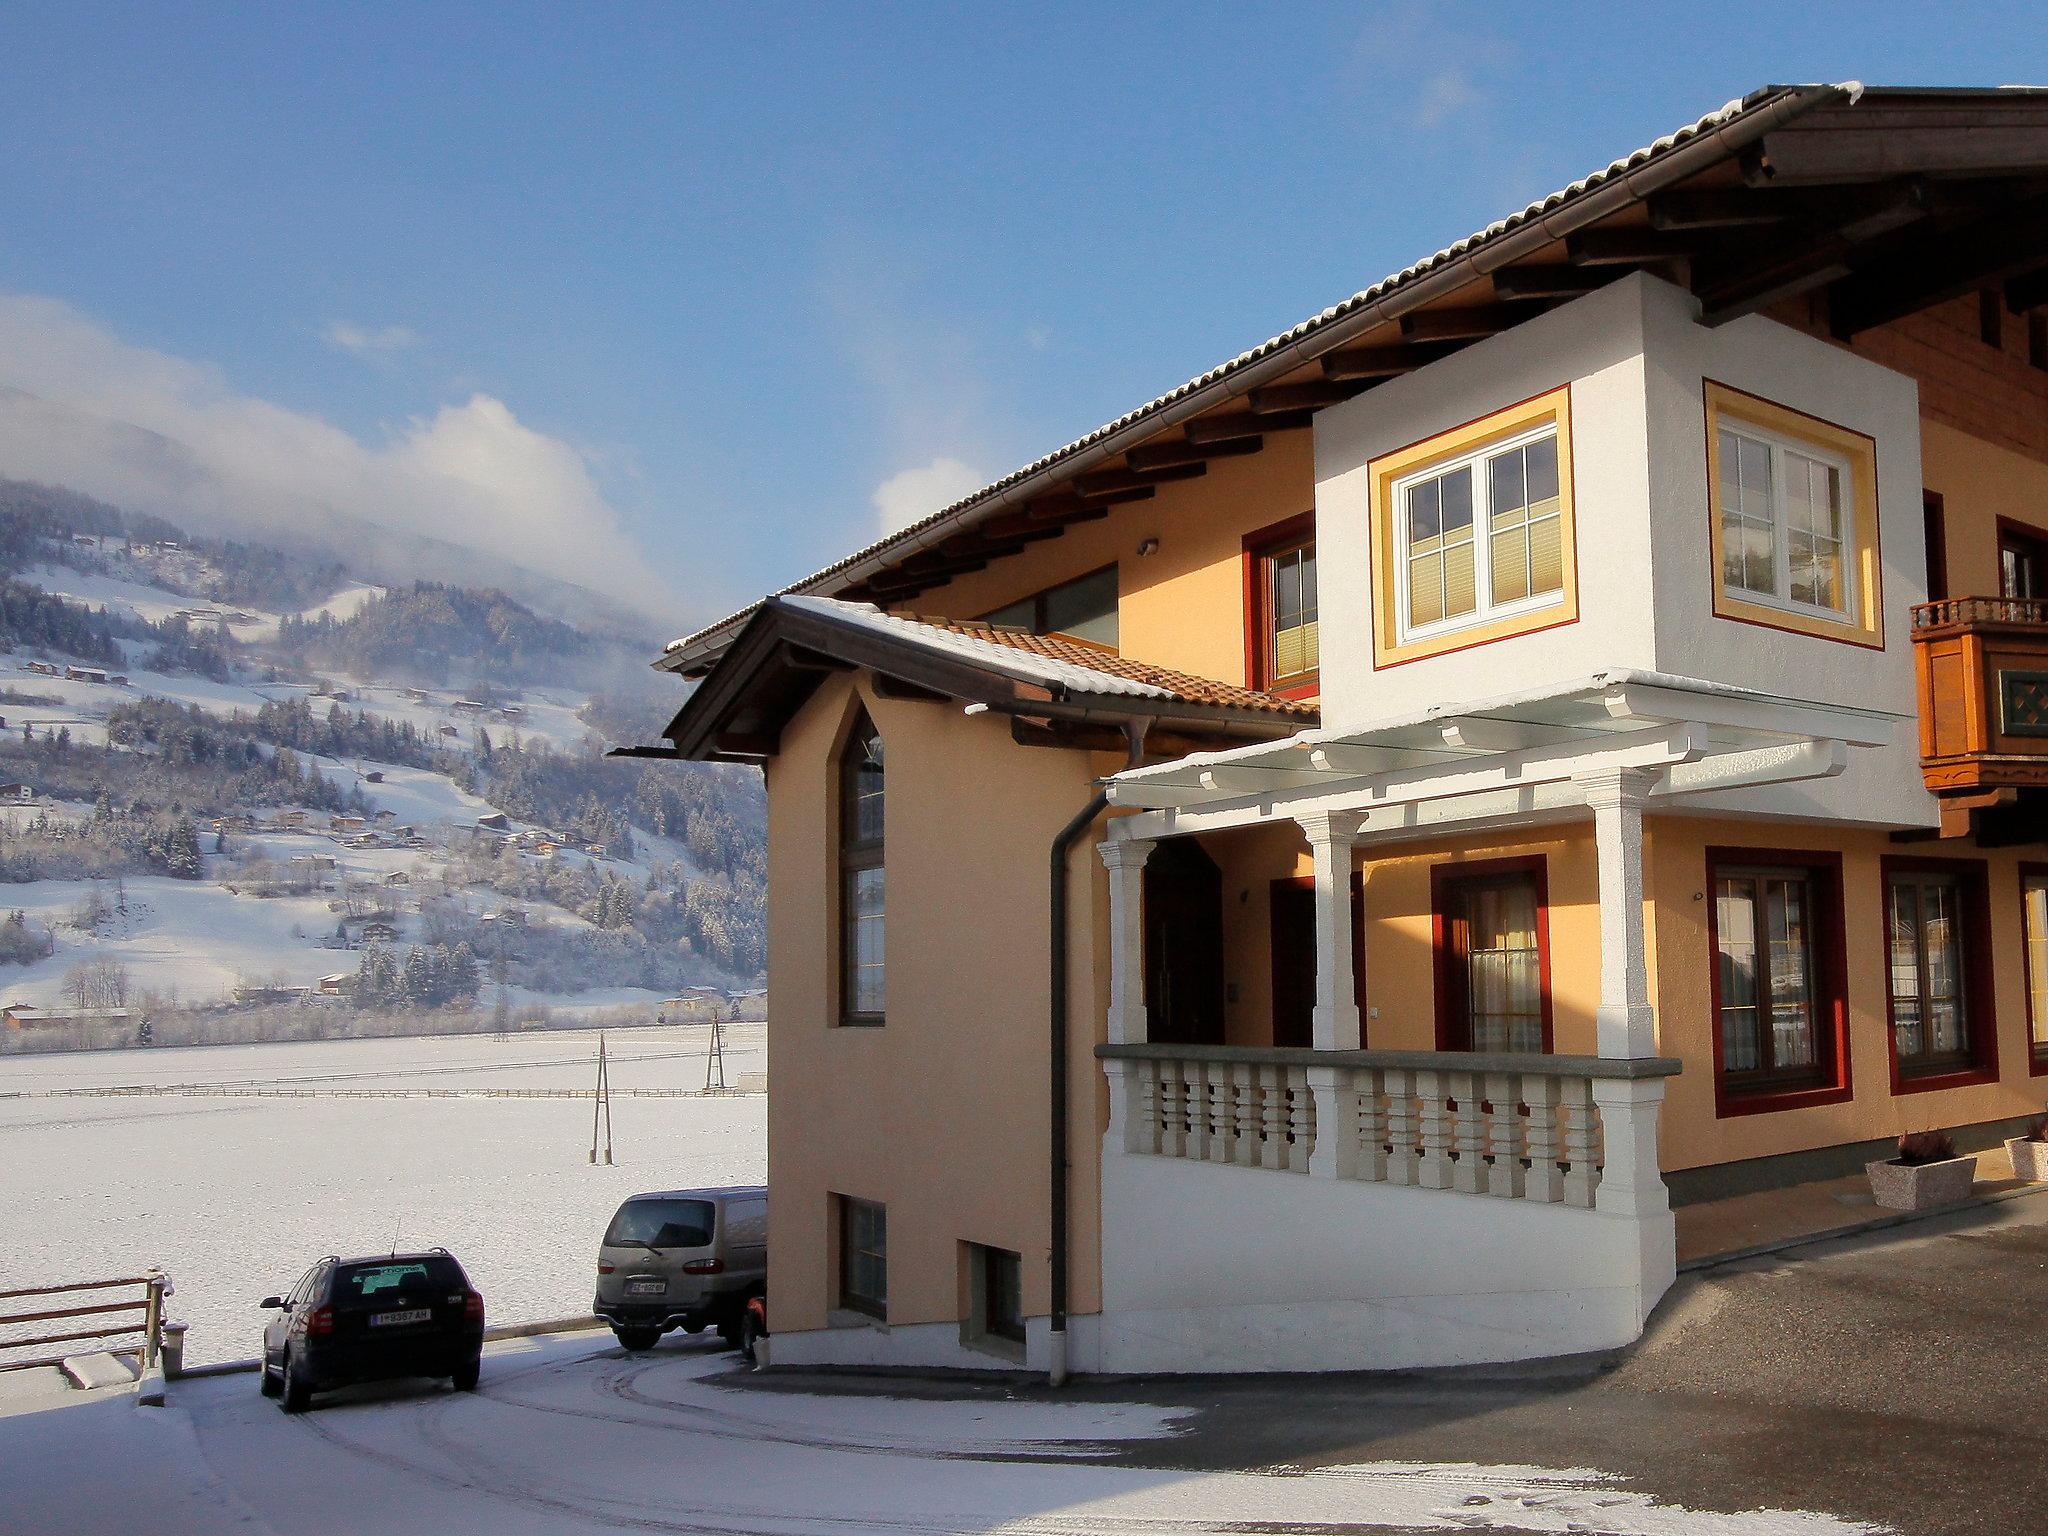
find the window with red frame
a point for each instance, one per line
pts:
(1778, 974)
(1938, 955)
(1285, 650)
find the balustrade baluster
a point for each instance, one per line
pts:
(1369, 1126)
(1580, 1134)
(1301, 1120)
(1468, 1177)
(1244, 1115)
(1504, 1135)
(1433, 1168)
(1544, 1180)
(1272, 1117)
(1400, 1126)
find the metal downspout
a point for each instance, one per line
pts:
(1060, 1167)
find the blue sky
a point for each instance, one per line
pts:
(713, 277)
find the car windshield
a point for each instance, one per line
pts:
(397, 1283)
(662, 1224)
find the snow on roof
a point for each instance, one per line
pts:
(1008, 660)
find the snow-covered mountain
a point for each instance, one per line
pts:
(237, 777)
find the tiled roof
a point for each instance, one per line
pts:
(1083, 657)
(1534, 211)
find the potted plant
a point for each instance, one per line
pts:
(1926, 1173)
(2030, 1153)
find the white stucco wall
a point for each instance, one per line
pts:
(1207, 1267)
(1636, 363)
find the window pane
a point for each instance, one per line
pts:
(1457, 503)
(1085, 609)
(866, 933)
(866, 786)
(1425, 589)
(1509, 492)
(1503, 967)
(1425, 517)
(2036, 921)
(1791, 970)
(1510, 556)
(1541, 459)
(1735, 922)
(1461, 592)
(1546, 554)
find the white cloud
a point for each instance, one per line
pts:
(471, 474)
(362, 341)
(1447, 94)
(911, 494)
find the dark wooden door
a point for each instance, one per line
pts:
(1293, 928)
(1183, 945)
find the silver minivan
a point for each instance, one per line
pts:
(683, 1258)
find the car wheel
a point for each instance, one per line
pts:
(296, 1392)
(637, 1339)
(466, 1374)
(750, 1335)
(268, 1380)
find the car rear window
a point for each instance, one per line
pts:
(662, 1224)
(397, 1282)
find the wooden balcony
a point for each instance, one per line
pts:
(1983, 678)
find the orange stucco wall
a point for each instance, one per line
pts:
(1401, 978)
(941, 1113)
(1183, 605)
(1683, 971)
(1979, 483)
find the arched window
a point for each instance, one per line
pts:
(861, 894)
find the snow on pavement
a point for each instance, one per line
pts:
(572, 1435)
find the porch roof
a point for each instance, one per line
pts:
(1512, 755)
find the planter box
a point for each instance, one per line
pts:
(2029, 1159)
(1898, 1187)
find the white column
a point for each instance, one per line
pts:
(1631, 1183)
(1335, 1025)
(1125, 860)
(1627, 1025)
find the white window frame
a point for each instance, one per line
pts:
(1486, 611)
(1779, 444)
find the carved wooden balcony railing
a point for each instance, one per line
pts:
(1983, 674)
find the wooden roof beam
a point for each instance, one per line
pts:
(1162, 455)
(1380, 362)
(1551, 282)
(2003, 245)
(1629, 247)
(1827, 255)
(1242, 424)
(1111, 481)
(1718, 208)
(1466, 324)
(1310, 395)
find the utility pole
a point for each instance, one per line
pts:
(601, 1105)
(714, 1059)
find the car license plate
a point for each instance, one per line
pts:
(399, 1319)
(645, 1287)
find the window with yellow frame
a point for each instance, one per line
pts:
(1792, 503)
(1473, 533)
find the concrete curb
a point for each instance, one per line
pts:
(149, 1387)
(584, 1324)
(1856, 1229)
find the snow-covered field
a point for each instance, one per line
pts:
(234, 1196)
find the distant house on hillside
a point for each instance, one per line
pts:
(494, 821)
(118, 679)
(17, 794)
(447, 730)
(292, 821)
(335, 985)
(26, 1016)
(261, 992)
(417, 695)
(398, 877)
(374, 776)
(468, 706)
(345, 823)
(378, 931)
(79, 674)
(42, 667)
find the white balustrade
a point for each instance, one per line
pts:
(1499, 1126)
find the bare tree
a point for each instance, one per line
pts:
(97, 984)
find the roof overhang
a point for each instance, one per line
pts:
(1515, 758)
(1889, 199)
(790, 646)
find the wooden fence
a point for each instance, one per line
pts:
(146, 1329)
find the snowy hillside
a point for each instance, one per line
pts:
(210, 803)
